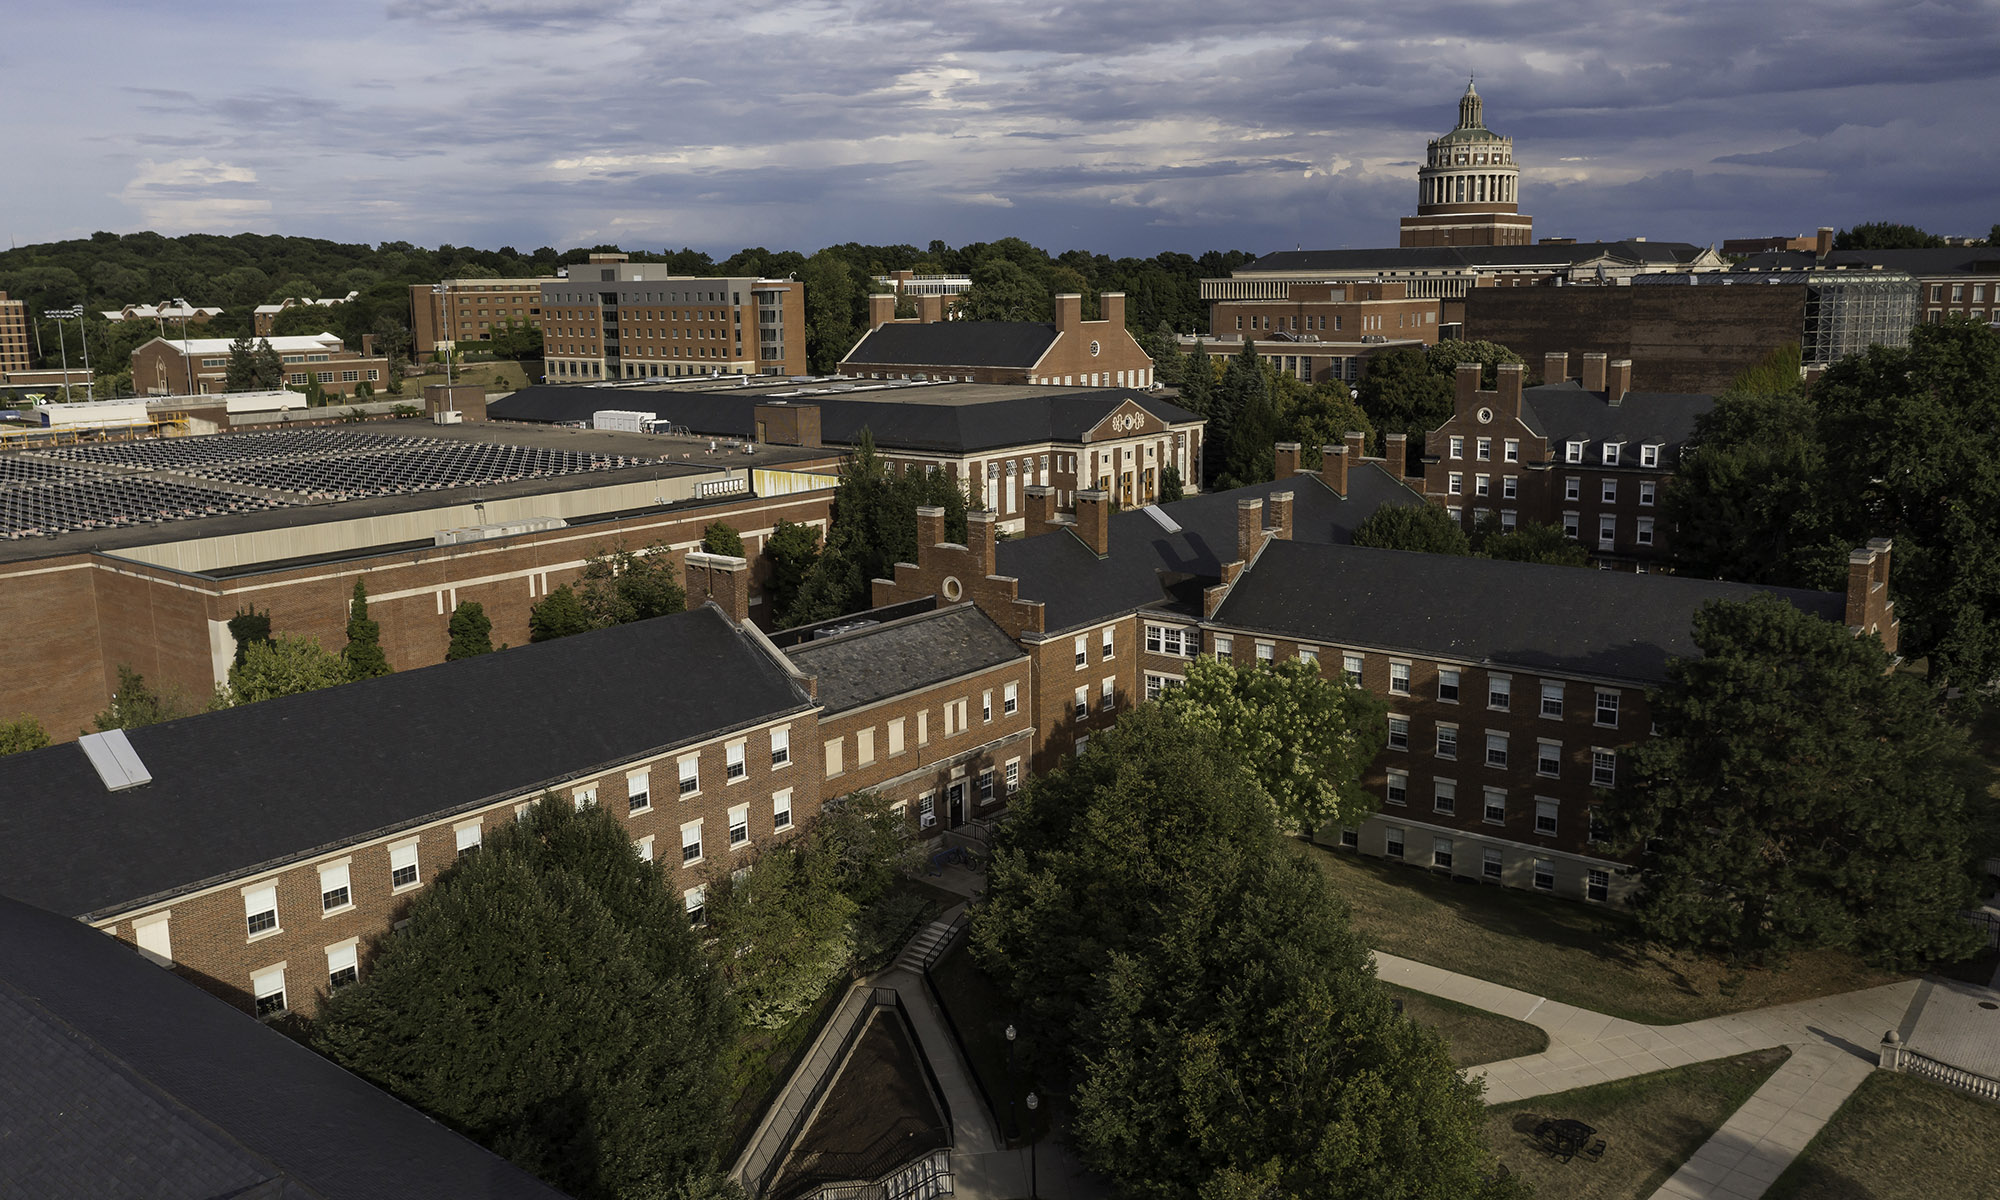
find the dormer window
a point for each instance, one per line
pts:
(1611, 454)
(1573, 452)
(1649, 455)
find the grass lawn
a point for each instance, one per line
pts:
(1899, 1137)
(499, 376)
(1475, 1035)
(1575, 953)
(1651, 1124)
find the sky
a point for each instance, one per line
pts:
(1116, 126)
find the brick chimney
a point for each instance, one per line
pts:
(1396, 453)
(1823, 246)
(1111, 307)
(1069, 311)
(930, 309)
(1618, 382)
(1093, 520)
(1333, 468)
(1249, 528)
(979, 538)
(1357, 445)
(1465, 384)
(1509, 377)
(1038, 508)
(1869, 609)
(881, 309)
(368, 345)
(1593, 372)
(1289, 455)
(721, 578)
(1281, 515)
(1555, 366)
(930, 527)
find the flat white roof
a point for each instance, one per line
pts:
(305, 342)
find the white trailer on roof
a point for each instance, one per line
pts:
(622, 421)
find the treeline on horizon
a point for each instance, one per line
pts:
(238, 272)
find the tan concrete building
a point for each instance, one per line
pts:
(613, 319)
(15, 347)
(476, 308)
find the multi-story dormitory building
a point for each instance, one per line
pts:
(1516, 690)
(1589, 454)
(612, 319)
(259, 849)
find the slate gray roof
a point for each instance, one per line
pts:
(1944, 260)
(955, 344)
(1531, 616)
(879, 661)
(898, 420)
(1434, 258)
(1565, 412)
(1149, 567)
(267, 783)
(122, 1079)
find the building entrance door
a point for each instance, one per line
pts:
(956, 805)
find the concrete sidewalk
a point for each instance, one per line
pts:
(1761, 1138)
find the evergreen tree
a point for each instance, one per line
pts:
(22, 735)
(792, 549)
(874, 528)
(268, 373)
(548, 998)
(1248, 418)
(1799, 794)
(1421, 527)
(284, 667)
(241, 374)
(363, 654)
(1402, 394)
(1167, 358)
(1748, 503)
(558, 614)
(471, 631)
(247, 628)
(1170, 484)
(721, 538)
(135, 705)
(1530, 541)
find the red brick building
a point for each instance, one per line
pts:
(200, 366)
(1068, 352)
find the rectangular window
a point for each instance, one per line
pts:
(1499, 692)
(1611, 454)
(1399, 733)
(466, 837)
(781, 809)
(1510, 487)
(1398, 790)
(1082, 649)
(1552, 699)
(1447, 741)
(691, 843)
(1644, 533)
(1496, 749)
(1603, 767)
(1545, 817)
(1441, 853)
(1607, 708)
(1573, 452)
(986, 786)
(646, 848)
(1399, 678)
(1225, 646)
(695, 899)
(260, 909)
(736, 768)
(1013, 774)
(1458, 447)
(1155, 684)
(1080, 705)
(927, 812)
(334, 892)
(1010, 699)
(1266, 651)
(1597, 884)
(1510, 450)
(1444, 796)
(1609, 492)
(1493, 806)
(1607, 531)
(638, 791)
(690, 775)
(1448, 685)
(1485, 449)
(986, 705)
(895, 737)
(781, 747)
(1489, 864)
(268, 988)
(1572, 525)
(1649, 455)
(1392, 842)
(924, 728)
(739, 825)
(864, 746)
(1545, 874)
(1572, 487)
(1548, 758)
(1309, 654)
(1105, 649)
(834, 765)
(1107, 694)
(584, 797)
(1454, 484)
(1595, 830)
(403, 866)
(1648, 492)
(1350, 665)
(342, 966)
(1350, 839)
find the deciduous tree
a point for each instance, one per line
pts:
(721, 538)
(22, 735)
(135, 705)
(792, 549)
(284, 667)
(1531, 541)
(1422, 527)
(620, 585)
(558, 614)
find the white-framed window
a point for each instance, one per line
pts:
(1441, 853)
(1399, 678)
(1597, 884)
(1309, 654)
(1499, 692)
(781, 809)
(1080, 703)
(1552, 698)
(1649, 454)
(834, 763)
(926, 811)
(1170, 639)
(1266, 651)
(1398, 789)
(1496, 748)
(1545, 817)
(1350, 666)
(1608, 490)
(1010, 699)
(924, 727)
(1510, 487)
(584, 797)
(1545, 874)
(1607, 531)
(1106, 644)
(1448, 685)
(1603, 767)
(1484, 449)
(735, 768)
(1012, 774)
(260, 909)
(695, 901)
(1082, 743)
(1490, 863)
(1493, 806)
(1607, 708)
(1572, 525)
(1457, 447)
(1082, 649)
(466, 837)
(1573, 452)
(781, 746)
(343, 964)
(645, 845)
(739, 826)
(864, 746)
(691, 842)
(1507, 520)
(1454, 484)
(690, 766)
(1107, 694)
(154, 935)
(1225, 646)
(1392, 842)
(403, 871)
(1572, 487)
(1548, 758)
(986, 786)
(1510, 450)
(1611, 454)
(1643, 534)
(638, 791)
(336, 893)
(267, 988)
(986, 705)
(1447, 741)
(1399, 732)
(1444, 796)
(1156, 685)
(1648, 492)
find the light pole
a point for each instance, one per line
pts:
(444, 306)
(57, 314)
(1012, 1119)
(1034, 1186)
(73, 313)
(181, 307)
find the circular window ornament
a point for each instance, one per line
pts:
(1485, 416)
(1094, 348)
(952, 588)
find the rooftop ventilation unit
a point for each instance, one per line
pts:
(117, 764)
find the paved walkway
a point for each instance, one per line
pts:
(1834, 1042)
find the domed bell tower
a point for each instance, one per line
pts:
(1468, 188)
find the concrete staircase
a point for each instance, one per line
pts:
(919, 949)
